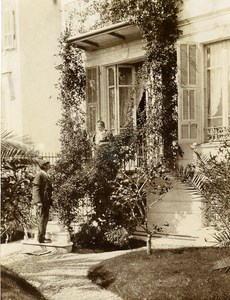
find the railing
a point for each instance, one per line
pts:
(51, 157)
(218, 134)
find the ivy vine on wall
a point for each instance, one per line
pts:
(158, 22)
(73, 172)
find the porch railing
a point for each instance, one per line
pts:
(50, 156)
(218, 134)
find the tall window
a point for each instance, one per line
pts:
(188, 129)
(92, 93)
(218, 86)
(8, 23)
(120, 81)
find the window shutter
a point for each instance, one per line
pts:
(92, 96)
(187, 81)
(9, 30)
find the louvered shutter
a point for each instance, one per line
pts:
(188, 81)
(9, 33)
(92, 96)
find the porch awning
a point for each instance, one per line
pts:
(106, 37)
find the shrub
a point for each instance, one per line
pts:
(117, 236)
(16, 189)
(213, 181)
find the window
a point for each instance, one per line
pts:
(218, 90)
(7, 95)
(92, 93)
(8, 86)
(188, 129)
(120, 83)
(9, 34)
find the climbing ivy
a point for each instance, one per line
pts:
(69, 172)
(158, 22)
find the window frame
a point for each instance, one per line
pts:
(219, 133)
(188, 86)
(8, 25)
(116, 87)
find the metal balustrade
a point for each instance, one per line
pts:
(218, 134)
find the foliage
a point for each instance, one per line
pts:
(158, 23)
(69, 173)
(93, 235)
(212, 179)
(117, 236)
(116, 196)
(13, 146)
(130, 195)
(89, 235)
(16, 183)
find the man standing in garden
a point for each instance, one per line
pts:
(42, 193)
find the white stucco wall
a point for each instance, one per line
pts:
(196, 8)
(38, 38)
(35, 110)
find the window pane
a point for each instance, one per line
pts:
(91, 85)
(111, 108)
(124, 100)
(214, 93)
(208, 57)
(92, 118)
(215, 122)
(8, 24)
(125, 76)
(193, 131)
(111, 77)
(184, 131)
(185, 105)
(215, 55)
(192, 64)
(192, 105)
(184, 64)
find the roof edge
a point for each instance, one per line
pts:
(98, 31)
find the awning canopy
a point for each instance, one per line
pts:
(109, 36)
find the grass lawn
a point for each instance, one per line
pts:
(177, 274)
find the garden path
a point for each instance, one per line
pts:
(59, 276)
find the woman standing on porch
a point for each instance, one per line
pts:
(102, 135)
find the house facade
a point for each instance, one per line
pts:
(30, 32)
(113, 57)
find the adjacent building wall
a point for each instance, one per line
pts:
(35, 110)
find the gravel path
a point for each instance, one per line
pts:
(61, 276)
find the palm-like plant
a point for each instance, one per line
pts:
(12, 146)
(16, 182)
(212, 180)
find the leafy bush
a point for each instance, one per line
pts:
(117, 236)
(89, 235)
(16, 189)
(213, 181)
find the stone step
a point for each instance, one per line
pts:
(55, 226)
(33, 246)
(60, 237)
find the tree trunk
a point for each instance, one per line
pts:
(148, 244)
